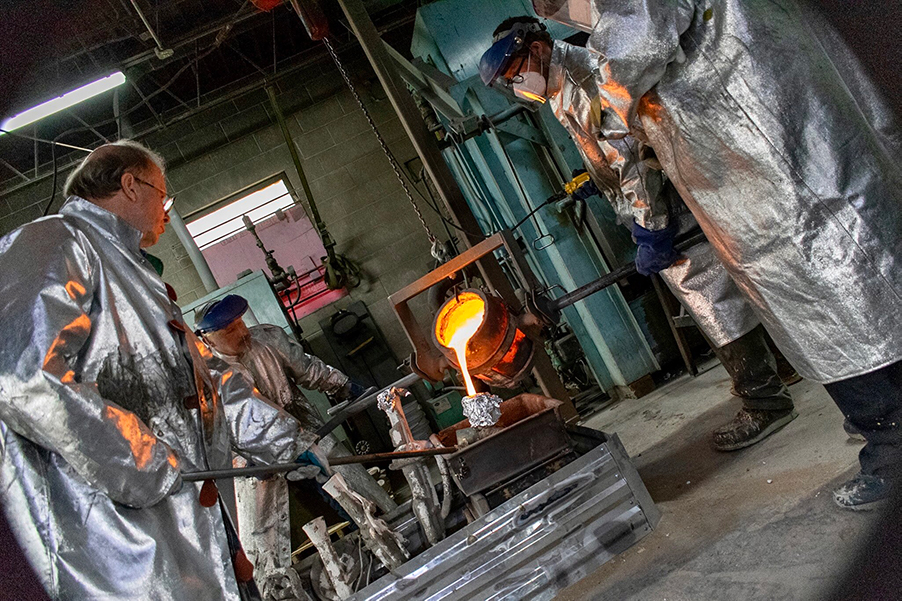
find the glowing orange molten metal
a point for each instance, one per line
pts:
(531, 96)
(456, 324)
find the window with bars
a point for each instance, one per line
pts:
(226, 221)
(285, 229)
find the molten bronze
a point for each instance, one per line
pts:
(498, 352)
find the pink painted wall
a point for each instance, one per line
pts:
(293, 241)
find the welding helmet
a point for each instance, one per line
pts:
(505, 45)
(218, 314)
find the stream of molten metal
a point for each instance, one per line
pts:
(463, 321)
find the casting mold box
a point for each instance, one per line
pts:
(542, 540)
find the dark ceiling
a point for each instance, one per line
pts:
(209, 48)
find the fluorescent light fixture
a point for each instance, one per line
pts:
(63, 102)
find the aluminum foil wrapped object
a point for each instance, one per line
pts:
(385, 400)
(277, 365)
(424, 499)
(94, 423)
(786, 154)
(637, 192)
(482, 409)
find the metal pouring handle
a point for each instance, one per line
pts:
(281, 468)
(365, 401)
(614, 276)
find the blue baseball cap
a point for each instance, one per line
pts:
(505, 45)
(220, 313)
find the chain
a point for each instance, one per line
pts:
(391, 158)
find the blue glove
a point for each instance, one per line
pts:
(586, 190)
(355, 390)
(655, 252)
(308, 457)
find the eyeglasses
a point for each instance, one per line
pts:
(518, 78)
(167, 200)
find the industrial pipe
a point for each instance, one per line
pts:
(197, 257)
(475, 126)
(161, 52)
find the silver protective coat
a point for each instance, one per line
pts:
(785, 153)
(636, 192)
(95, 431)
(278, 366)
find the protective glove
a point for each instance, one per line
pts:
(586, 190)
(350, 391)
(314, 464)
(655, 249)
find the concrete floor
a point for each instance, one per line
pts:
(755, 524)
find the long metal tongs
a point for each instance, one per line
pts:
(280, 468)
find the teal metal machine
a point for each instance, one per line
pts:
(510, 165)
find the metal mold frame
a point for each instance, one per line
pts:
(539, 542)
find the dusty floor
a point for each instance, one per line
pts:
(756, 524)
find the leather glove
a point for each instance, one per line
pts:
(313, 464)
(655, 250)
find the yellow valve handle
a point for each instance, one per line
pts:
(576, 183)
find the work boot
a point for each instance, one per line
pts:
(750, 427)
(852, 432)
(863, 492)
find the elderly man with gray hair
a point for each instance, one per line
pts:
(106, 398)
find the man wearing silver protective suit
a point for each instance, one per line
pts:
(788, 157)
(106, 398)
(278, 366)
(624, 171)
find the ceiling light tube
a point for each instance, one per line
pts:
(63, 102)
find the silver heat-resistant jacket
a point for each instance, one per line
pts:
(94, 428)
(636, 191)
(277, 365)
(785, 153)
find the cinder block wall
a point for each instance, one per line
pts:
(230, 146)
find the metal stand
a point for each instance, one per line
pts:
(429, 362)
(427, 148)
(279, 277)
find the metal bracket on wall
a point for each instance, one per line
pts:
(428, 82)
